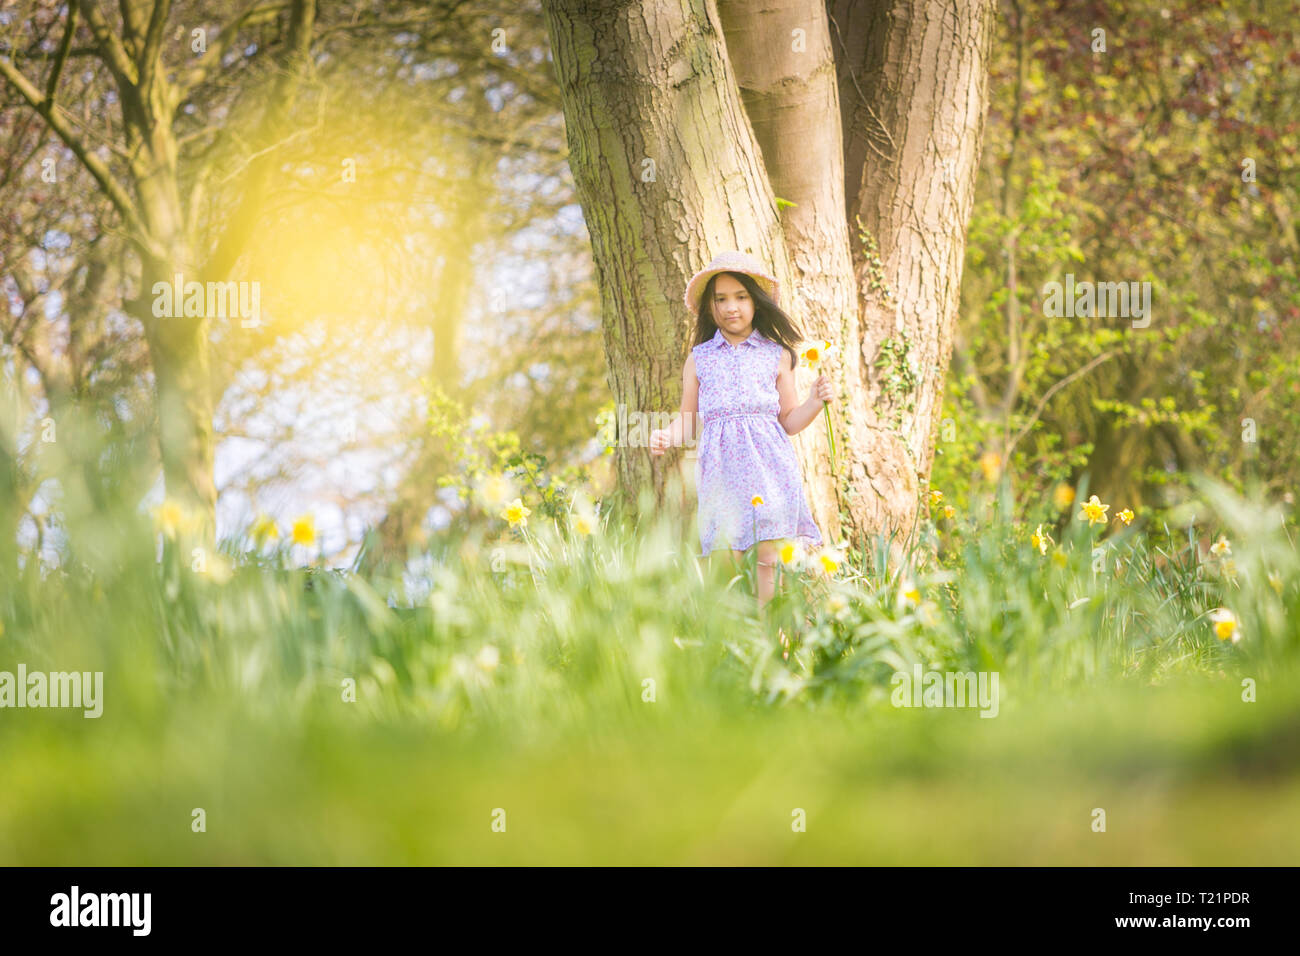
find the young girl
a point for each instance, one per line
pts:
(738, 398)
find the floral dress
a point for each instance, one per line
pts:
(744, 450)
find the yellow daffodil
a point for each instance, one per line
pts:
(1226, 625)
(756, 500)
(304, 530)
(1059, 559)
(488, 658)
(218, 568)
(496, 491)
(264, 528)
(949, 511)
(1062, 496)
(1125, 516)
(909, 595)
(170, 517)
(791, 553)
(991, 465)
(516, 513)
(582, 515)
(829, 560)
(1220, 547)
(1040, 540)
(817, 352)
(1094, 511)
(936, 497)
(814, 354)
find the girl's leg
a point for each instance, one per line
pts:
(767, 555)
(768, 552)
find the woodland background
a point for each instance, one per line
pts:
(463, 228)
(382, 662)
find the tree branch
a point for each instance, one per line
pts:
(150, 56)
(132, 25)
(110, 48)
(1042, 402)
(58, 122)
(52, 83)
(966, 365)
(295, 57)
(253, 14)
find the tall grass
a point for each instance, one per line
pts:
(548, 627)
(518, 638)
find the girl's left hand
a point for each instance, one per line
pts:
(823, 389)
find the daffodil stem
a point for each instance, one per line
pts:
(830, 437)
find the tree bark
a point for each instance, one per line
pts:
(668, 173)
(785, 67)
(913, 81)
(729, 126)
(178, 344)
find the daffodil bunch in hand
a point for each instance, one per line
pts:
(814, 354)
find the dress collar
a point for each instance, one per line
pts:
(720, 341)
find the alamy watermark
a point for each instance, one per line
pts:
(1126, 300)
(214, 300)
(631, 429)
(84, 689)
(946, 689)
(102, 909)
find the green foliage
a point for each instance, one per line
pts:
(1130, 165)
(475, 454)
(269, 686)
(875, 268)
(897, 379)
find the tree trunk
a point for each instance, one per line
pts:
(668, 172)
(672, 167)
(913, 79)
(785, 68)
(178, 344)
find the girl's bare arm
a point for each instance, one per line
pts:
(686, 424)
(795, 416)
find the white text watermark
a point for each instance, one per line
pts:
(214, 300)
(946, 689)
(84, 689)
(1126, 300)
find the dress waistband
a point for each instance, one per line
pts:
(718, 418)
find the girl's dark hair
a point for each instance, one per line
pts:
(769, 319)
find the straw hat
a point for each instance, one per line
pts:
(730, 262)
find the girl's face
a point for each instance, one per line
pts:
(733, 307)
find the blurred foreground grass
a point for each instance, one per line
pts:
(622, 703)
(1186, 776)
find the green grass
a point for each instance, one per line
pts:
(1185, 777)
(229, 695)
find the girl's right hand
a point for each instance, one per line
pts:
(658, 441)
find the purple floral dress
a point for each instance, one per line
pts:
(744, 450)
